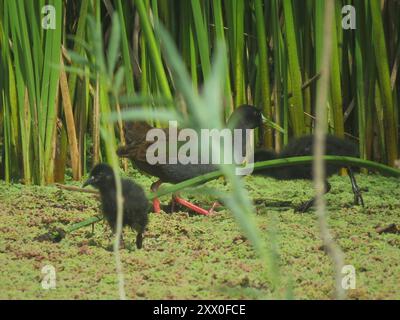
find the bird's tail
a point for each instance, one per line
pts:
(264, 155)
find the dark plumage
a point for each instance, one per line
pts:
(303, 146)
(244, 117)
(135, 203)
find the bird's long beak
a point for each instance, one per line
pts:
(88, 182)
(264, 119)
(271, 124)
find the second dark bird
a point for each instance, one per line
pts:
(303, 146)
(135, 203)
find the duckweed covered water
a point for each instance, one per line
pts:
(188, 256)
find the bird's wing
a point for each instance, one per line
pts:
(136, 134)
(136, 144)
(134, 197)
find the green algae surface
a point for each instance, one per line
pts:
(187, 256)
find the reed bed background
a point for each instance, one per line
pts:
(66, 90)
(50, 115)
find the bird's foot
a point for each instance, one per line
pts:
(193, 207)
(139, 240)
(173, 206)
(358, 199)
(156, 202)
(216, 204)
(304, 207)
(156, 205)
(92, 229)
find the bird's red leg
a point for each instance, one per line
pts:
(193, 207)
(156, 202)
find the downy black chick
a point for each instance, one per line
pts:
(135, 203)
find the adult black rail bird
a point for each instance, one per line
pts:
(135, 203)
(244, 117)
(303, 146)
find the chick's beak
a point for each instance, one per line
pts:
(88, 182)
